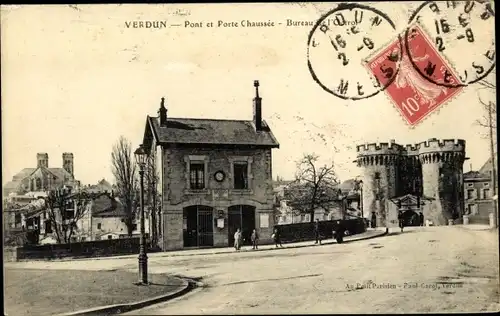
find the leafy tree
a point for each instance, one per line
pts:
(124, 171)
(314, 187)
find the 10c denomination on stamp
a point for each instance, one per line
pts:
(414, 96)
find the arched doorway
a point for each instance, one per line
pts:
(411, 218)
(243, 217)
(198, 226)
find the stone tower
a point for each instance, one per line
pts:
(379, 164)
(68, 163)
(42, 160)
(442, 175)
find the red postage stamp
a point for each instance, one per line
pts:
(415, 96)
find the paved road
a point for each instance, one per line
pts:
(425, 269)
(406, 268)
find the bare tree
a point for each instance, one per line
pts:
(314, 187)
(124, 171)
(152, 199)
(64, 209)
(489, 122)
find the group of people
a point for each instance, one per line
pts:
(238, 239)
(338, 235)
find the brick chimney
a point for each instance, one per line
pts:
(163, 113)
(257, 107)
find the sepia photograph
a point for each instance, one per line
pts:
(250, 158)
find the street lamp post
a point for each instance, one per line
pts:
(140, 156)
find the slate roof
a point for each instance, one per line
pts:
(105, 206)
(210, 131)
(475, 175)
(26, 172)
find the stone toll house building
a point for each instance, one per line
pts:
(215, 177)
(429, 173)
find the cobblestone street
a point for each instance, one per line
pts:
(425, 269)
(432, 269)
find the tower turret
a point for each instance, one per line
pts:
(42, 160)
(442, 175)
(68, 164)
(379, 163)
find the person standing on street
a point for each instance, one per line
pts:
(255, 239)
(339, 232)
(421, 215)
(374, 220)
(277, 238)
(317, 235)
(237, 239)
(400, 219)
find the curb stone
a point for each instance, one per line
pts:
(188, 285)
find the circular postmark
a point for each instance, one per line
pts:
(341, 42)
(459, 34)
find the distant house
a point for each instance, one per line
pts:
(43, 178)
(347, 206)
(479, 193)
(101, 186)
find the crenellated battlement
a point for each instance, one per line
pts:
(445, 145)
(369, 149)
(433, 145)
(432, 168)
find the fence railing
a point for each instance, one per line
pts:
(96, 248)
(305, 231)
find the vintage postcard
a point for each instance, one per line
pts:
(250, 158)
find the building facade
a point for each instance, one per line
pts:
(431, 170)
(215, 177)
(43, 178)
(479, 193)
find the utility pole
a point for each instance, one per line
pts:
(493, 168)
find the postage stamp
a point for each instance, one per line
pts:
(413, 95)
(337, 43)
(457, 32)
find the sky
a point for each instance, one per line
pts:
(75, 79)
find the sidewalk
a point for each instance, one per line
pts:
(84, 292)
(476, 227)
(370, 233)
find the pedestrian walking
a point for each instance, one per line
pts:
(421, 216)
(237, 239)
(374, 220)
(339, 233)
(400, 219)
(317, 235)
(255, 239)
(277, 238)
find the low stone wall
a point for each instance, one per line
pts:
(305, 231)
(88, 249)
(10, 254)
